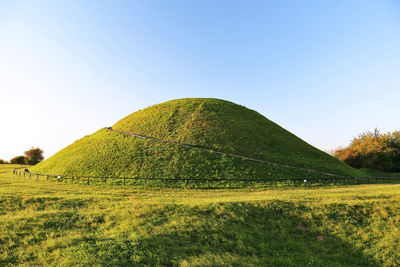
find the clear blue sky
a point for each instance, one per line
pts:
(324, 70)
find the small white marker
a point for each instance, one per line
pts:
(305, 181)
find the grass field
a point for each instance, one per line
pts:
(50, 223)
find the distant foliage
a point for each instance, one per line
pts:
(373, 150)
(18, 160)
(3, 161)
(33, 156)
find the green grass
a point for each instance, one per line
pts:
(378, 173)
(207, 123)
(49, 224)
(108, 153)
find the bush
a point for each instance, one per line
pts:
(18, 160)
(373, 150)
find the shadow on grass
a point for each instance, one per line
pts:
(236, 234)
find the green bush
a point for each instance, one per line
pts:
(18, 160)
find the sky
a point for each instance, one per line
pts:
(324, 70)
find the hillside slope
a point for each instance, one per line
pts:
(205, 123)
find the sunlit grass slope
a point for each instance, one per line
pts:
(227, 127)
(51, 224)
(108, 153)
(208, 123)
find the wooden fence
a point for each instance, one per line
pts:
(209, 182)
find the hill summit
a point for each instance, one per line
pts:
(196, 138)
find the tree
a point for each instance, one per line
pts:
(372, 150)
(33, 156)
(2, 161)
(393, 141)
(18, 160)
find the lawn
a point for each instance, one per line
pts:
(50, 223)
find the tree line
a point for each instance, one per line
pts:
(373, 150)
(32, 156)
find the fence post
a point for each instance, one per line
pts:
(124, 180)
(88, 182)
(105, 180)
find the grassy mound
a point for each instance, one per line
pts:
(206, 123)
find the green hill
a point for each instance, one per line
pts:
(209, 126)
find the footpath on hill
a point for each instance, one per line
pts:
(217, 152)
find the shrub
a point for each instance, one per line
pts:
(373, 150)
(18, 160)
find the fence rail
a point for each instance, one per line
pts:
(228, 181)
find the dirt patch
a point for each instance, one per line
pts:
(302, 227)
